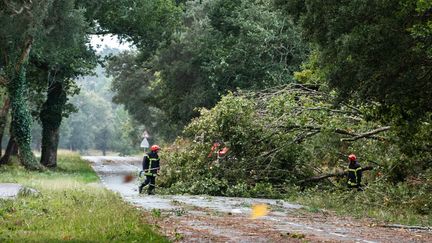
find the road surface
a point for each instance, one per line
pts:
(222, 219)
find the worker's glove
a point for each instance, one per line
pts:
(140, 173)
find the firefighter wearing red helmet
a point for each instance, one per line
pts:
(151, 168)
(354, 172)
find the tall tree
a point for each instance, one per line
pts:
(22, 24)
(60, 57)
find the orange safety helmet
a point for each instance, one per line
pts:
(352, 157)
(155, 148)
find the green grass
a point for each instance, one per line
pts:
(363, 205)
(71, 206)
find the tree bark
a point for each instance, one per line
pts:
(3, 120)
(11, 149)
(51, 118)
(50, 140)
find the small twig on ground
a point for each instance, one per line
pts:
(400, 226)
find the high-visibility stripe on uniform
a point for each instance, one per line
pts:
(352, 183)
(356, 177)
(150, 166)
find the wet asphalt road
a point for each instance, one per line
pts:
(225, 219)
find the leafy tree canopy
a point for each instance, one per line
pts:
(373, 51)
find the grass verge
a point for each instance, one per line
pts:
(373, 204)
(71, 206)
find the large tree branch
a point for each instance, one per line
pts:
(24, 54)
(410, 227)
(106, 32)
(338, 174)
(367, 134)
(354, 136)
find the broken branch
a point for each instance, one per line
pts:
(399, 226)
(367, 134)
(25, 53)
(338, 174)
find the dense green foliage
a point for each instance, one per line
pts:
(374, 51)
(70, 207)
(146, 24)
(221, 46)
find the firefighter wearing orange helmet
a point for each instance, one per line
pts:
(354, 172)
(151, 166)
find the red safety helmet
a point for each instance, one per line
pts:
(155, 148)
(352, 157)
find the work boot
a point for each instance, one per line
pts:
(140, 188)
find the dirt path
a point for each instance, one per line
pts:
(224, 219)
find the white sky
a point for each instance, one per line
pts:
(99, 42)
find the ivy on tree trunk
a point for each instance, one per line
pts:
(21, 118)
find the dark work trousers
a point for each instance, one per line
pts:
(151, 181)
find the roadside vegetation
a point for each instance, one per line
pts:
(386, 204)
(71, 206)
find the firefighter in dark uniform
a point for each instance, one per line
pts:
(354, 173)
(151, 168)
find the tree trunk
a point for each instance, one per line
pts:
(21, 120)
(3, 120)
(51, 117)
(21, 117)
(50, 139)
(11, 149)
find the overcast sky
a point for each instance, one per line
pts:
(99, 42)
